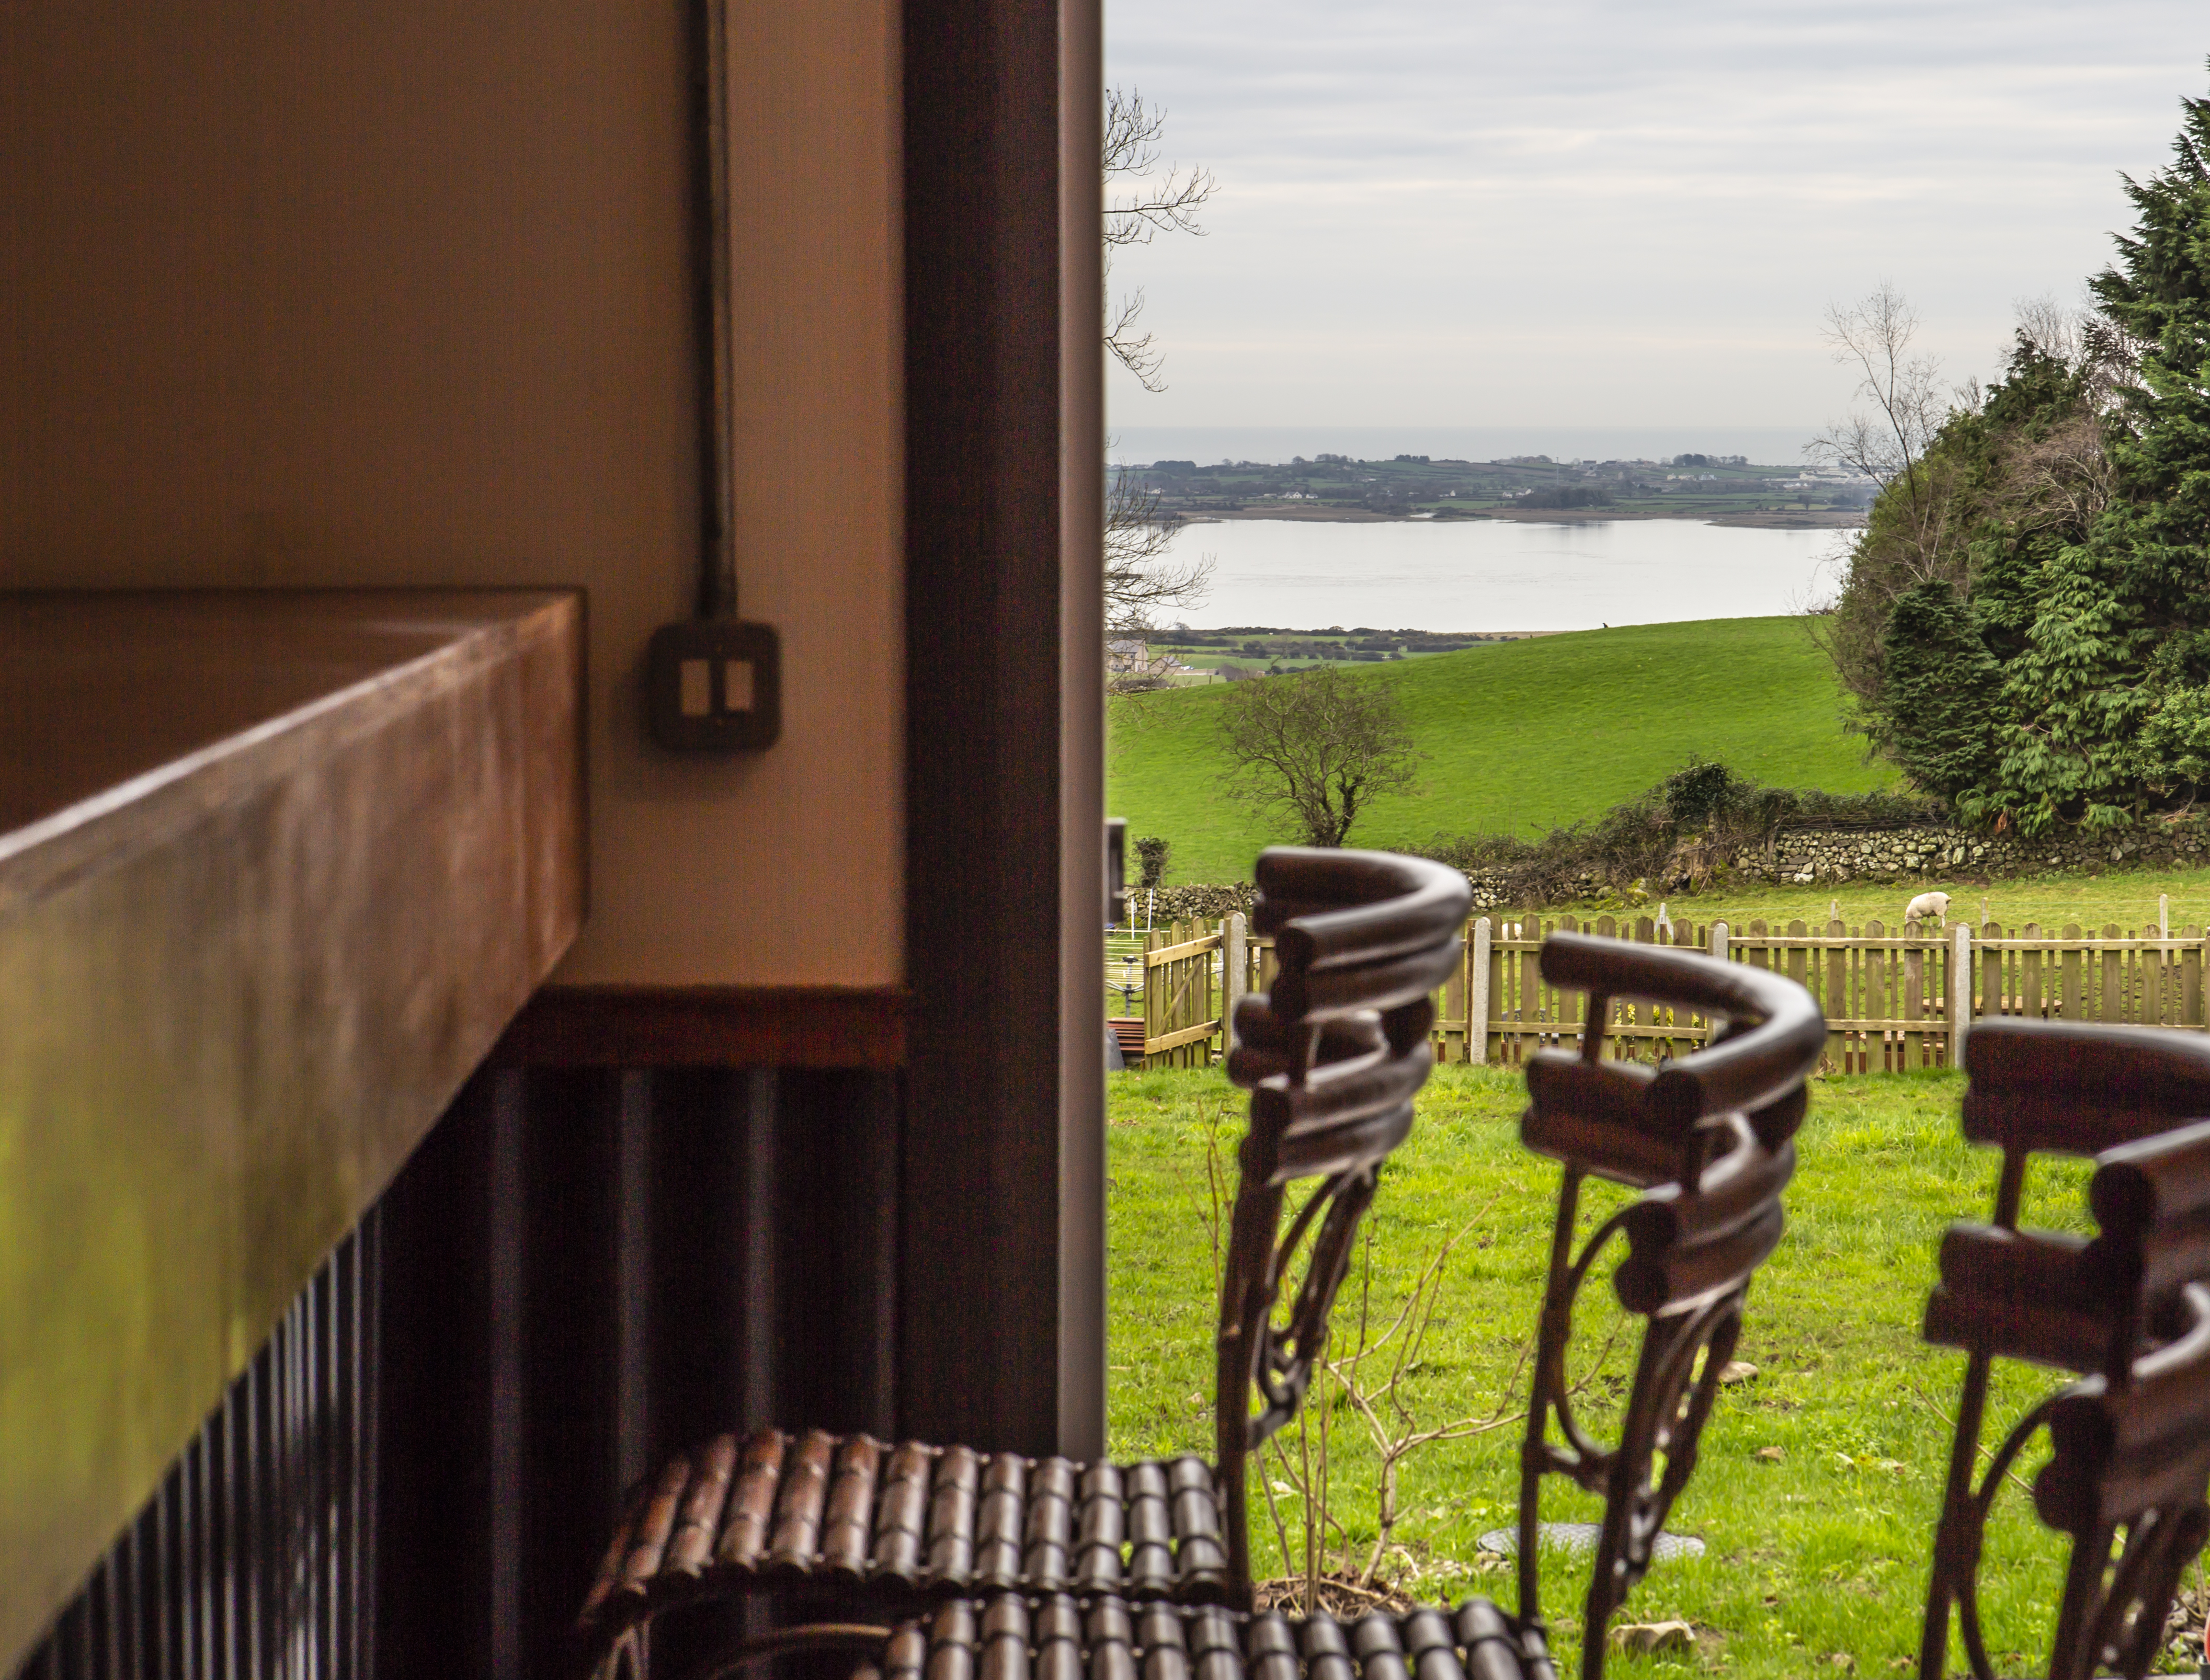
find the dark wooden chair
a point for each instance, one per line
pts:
(2128, 1312)
(1333, 1055)
(1707, 1138)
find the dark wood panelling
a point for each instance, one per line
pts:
(1003, 1198)
(586, 1270)
(983, 723)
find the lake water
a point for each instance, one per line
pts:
(1504, 575)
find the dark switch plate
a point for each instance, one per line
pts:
(713, 685)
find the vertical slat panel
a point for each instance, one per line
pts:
(1883, 987)
(1833, 998)
(1911, 1043)
(1990, 1000)
(254, 1559)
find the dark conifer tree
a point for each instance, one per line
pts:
(2050, 663)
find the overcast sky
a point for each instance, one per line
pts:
(1616, 212)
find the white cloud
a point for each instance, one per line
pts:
(1622, 214)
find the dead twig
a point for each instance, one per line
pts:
(1949, 1422)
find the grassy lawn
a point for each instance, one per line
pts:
(2125, 897)
(1820, 1478)
(1519, 736)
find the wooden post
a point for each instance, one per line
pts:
(1235, 974)
(2163, 915)
(1961, 994)
(1833, 998)
(2190, 982)
(1719, 950)
(1476, 997)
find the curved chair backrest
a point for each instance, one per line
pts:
(2075, 1088)
(2128, 1310)
(1708, 1140)
(1332, 1055)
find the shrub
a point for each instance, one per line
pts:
(1151, 861)
(1680, 833)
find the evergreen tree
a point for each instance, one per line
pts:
(2040, 654)
(1941, 688)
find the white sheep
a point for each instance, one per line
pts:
(1927, 906)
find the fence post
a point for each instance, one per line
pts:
(1719, 940)
(2163, 915)
(1233, 972)
(1961, 994)
(1476, 997)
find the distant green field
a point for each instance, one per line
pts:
(1519, 736)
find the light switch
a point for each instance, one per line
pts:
(698, 685)
(713, 685)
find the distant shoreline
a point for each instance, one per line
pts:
(1814, 519)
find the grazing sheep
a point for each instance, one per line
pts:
(1926, 907)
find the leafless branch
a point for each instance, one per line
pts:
(1398, 1434)
(1949, 1422)
(1155, 203)
(1873, 336)
(1161, 203)
(1142, 579)
(1134, 350)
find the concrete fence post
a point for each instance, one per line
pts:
(1235, 966)
(1960, 993)
(1476, 997)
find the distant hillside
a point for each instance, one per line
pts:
(1520, 736)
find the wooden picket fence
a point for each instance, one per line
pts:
(1187, 990)
(1893, 1001)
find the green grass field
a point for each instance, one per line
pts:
(1820, 1479)
(2126, 897)
(1519, 736)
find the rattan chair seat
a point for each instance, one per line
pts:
(912, 1521)
(1011, 1638)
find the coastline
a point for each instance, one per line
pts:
(1814, 520)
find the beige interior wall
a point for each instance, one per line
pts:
(398, 292)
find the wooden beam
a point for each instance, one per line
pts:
(708, 1027)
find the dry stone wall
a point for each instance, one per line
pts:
(1804, 857)
(1833, 857)
(1175, 904)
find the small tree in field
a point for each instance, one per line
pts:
(1321, 746)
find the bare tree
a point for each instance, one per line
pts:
(2053, 476)
(1141, 579)
(1908, 405)
(1156, 203)
(1320, 746)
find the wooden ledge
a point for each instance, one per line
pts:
(708, 1027)
(276, 869)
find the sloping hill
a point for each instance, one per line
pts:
(1519, 736)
